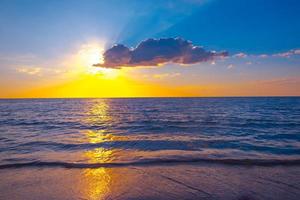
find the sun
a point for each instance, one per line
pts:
(90, 54)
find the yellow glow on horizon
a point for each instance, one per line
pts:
(88, 85)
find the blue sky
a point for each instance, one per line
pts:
(254, 26)
(38, 34)
(237, 25)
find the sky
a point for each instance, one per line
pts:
(139, 48)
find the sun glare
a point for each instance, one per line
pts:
(90, 54)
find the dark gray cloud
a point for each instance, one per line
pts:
(154, 52)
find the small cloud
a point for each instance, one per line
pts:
(156, 52)
(230, 66)
(19, 58)
(263, 56)
(29, 70)
(282, 81)
(288, 53)
(166, 75)
(240, 55)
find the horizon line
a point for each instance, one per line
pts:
(153, 97)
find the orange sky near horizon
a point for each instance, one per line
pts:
(75, 77)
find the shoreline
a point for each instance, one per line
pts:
(175, 182)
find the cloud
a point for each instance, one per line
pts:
(282, 81)
(155, 52)
(288, 53)
(263, 56)
(230, 66)
(166, 75)
(29, 70)
(240, 55)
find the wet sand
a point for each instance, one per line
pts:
(193, 181)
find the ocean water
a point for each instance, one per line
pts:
(150, 133)
(148, 130)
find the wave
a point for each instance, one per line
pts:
(155, 145)
(155, 162)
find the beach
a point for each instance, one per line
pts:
(153, 182)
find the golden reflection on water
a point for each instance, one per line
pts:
(99, 112)
(98, 182)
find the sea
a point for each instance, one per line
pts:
(150, 148)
